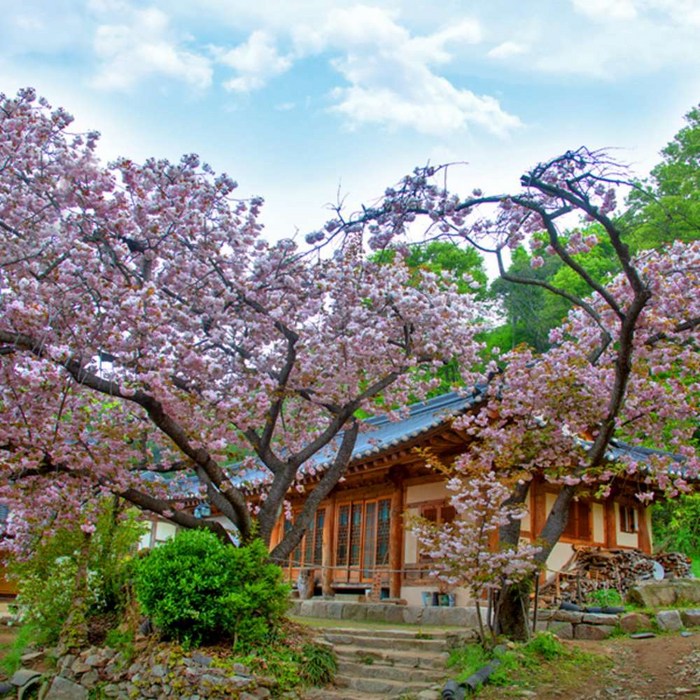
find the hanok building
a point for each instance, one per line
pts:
(359, 541)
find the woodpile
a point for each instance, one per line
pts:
(593, 568)
(674, 563)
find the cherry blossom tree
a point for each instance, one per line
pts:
(624, 365)
(461, 551)
(147, 326)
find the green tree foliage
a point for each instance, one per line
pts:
(667, 205)
(677, 525)
(47, 579)
(524, 305)
(463, 267)
(453, 263)
(197, 589)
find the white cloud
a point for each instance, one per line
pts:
(255, 61)
(389, 74)
(437, 107)
(507, 49)
(144, 47)
(605, 10)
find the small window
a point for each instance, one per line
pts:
(629, 519)
(438, 513)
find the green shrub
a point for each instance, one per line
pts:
(12, 653)
(318, 665)
(46, 579)
(676, 524)
(197, 589)
(605, 597)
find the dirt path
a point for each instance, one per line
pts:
(662, 667)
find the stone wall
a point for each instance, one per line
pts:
(164, 672)
(386, 612)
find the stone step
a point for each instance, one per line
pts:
(368, 640)
(336, 694)
(381, 688)
(394, 633)
(418, 658)
(426, 676)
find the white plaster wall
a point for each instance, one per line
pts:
(164, 531)
(561, 553)
(410, 543)
(420, 493)
(526, 522)
(598, 512)
(549, 499)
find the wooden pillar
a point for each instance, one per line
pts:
(643, 537)
(538, 507)
(327, 553)
(396, 532)
(610, 524)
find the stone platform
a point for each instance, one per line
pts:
(386, 612)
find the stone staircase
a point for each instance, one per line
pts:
(387, 663)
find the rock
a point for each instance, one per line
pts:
(95, 660)
(63, 689)
(66, 662)
(79, 666)
(24, 677)
(31, 656)
(584, 631)
(600, 619)
(158, 671)
(563, 630)
(691, 618)
(634, 622)
(669, 620)
(660, 594)
(90, 679)
(567, 616)
(6, 688)
(201, 659)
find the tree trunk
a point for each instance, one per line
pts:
(74, 633)
(512, 608)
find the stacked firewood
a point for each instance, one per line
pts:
(593, 568)
(674, 563)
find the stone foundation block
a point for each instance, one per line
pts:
(691, 618)
(584, 631)
(634, 622)
(563, 630)
(669, 620)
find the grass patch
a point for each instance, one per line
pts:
(12, 653)
(542, 661)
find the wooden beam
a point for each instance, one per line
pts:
(610, 524)
(644, 538)
(327, 552)
(396, 530)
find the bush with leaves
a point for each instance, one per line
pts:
(47, 577)
(676, 525)
(197, 589)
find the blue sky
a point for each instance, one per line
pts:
(301, 100)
